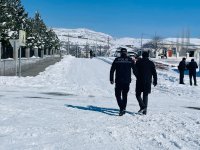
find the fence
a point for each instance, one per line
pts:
(8, 66)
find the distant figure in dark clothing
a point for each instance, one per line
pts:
(122, 67)
(145, 69)
(182, 68)
(192, 66)
(91, 54)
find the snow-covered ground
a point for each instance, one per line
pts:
(72, 106)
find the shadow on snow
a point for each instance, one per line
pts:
(107, 111)
(196, 108)
(59, 94)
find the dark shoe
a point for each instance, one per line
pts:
(122, 112)
(142, 110)
(145, 112)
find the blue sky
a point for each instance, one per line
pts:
(121, 18)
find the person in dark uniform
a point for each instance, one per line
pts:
(182, 68)
(145, 70)
(122, 67)
(91, 54)
(192, 66)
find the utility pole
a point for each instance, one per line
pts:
(141, 44)
(16, 56)
(0, 50)
(156, 42)
(87, 51)
(177, 47)
(20, 55)
(182, 40)
(188, 38)
(199, 62)
(96, 46)
(108, 44)
(76, 50)
(100, 50)
(68, 46)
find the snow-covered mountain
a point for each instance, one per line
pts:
(83, 36)
(136, 42)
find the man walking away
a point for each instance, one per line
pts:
(181, 68)
(91, 54)
(122, 67)
(145, 70)
(192, 66)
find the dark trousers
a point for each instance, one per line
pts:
(181, 76)
(143, 102)
(121, 92)
(194, 77)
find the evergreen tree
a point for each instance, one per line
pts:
(14, 18)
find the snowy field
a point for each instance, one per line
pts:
(71, 106)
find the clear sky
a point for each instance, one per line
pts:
(121, 18)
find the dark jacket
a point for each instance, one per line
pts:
(192, 66)
(122, 66)
(145, 70)
(182, 66)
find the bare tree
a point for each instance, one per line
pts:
(155, 45)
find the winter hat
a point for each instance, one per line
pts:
(145, 54)
(123, 50)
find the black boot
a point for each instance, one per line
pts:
(122, 112)
(141, 103)
(145, 100)
(145, 112)
(142, 110)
